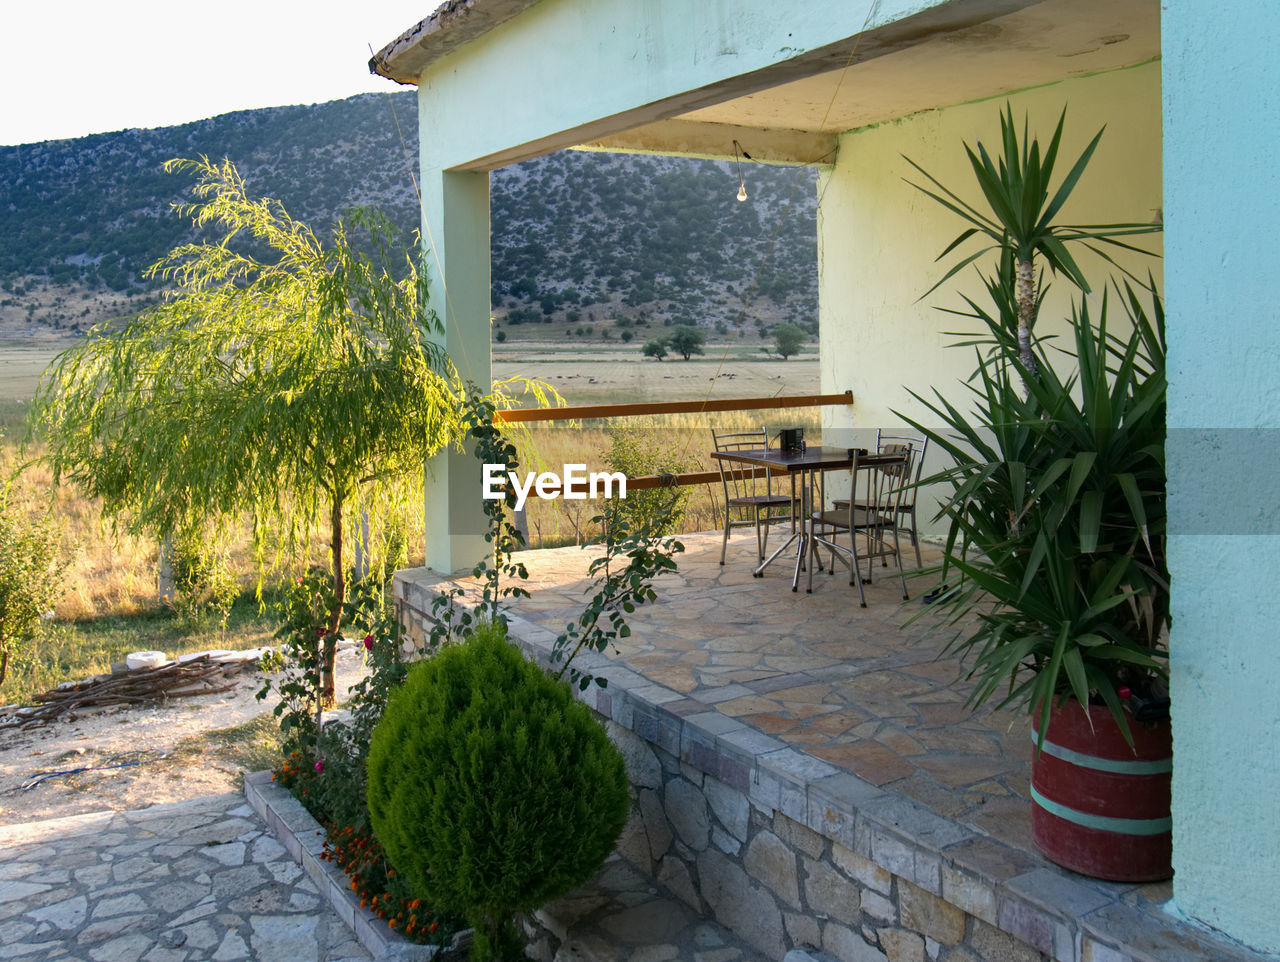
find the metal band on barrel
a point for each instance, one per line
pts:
(1118, 826)
(1159, 766)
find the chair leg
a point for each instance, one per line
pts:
(855, 576)
(897, 551)
(915, 540)
(728, 522)
(812, 531)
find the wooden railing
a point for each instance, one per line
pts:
(583, 411)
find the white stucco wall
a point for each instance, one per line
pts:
(1221, 90)
(878, 237)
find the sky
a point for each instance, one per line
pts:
(70, 67)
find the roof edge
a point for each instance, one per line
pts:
(452, 24)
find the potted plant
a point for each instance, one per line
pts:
(1054, 566)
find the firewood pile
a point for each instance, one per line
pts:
(187, 677)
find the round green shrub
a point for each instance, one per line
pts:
(491, 790)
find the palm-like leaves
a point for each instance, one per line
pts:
(1056, 515)
(1018, 222)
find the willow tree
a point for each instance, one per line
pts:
(290, 386)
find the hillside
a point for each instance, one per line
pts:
(574, 234)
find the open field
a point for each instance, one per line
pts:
(109, 606)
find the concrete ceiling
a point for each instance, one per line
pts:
(796, 120)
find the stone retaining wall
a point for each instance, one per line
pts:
(781, 885)
(791, 851)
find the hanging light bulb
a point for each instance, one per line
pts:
(738, 154)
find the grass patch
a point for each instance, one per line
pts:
(252, 746)
(78, 649)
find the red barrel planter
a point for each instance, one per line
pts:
(1099, 807)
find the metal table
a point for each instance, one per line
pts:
(808, 464)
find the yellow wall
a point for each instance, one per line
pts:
(878, 237)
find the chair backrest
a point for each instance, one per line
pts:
(916, 444)
(741, 487)
(883, 486)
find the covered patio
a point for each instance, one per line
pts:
(802, 764)
(763, 715)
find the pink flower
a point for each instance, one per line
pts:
(368, 642)
(319, 767)
(319, 632)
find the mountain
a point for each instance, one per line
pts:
(81, 219)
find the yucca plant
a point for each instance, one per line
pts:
(1018, 223)
(1056, 515)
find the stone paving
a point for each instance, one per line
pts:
(203, 879)
(846, 684)
(198, 879)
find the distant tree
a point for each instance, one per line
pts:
(655, 349)
(627, 336)
(290, 388)
(500, 336)
(788, 339)
(686, 341)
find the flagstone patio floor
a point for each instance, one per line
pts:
(857, 687)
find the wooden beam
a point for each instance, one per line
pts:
(584, 411)
(691, 138)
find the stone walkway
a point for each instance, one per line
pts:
(198, 879)
(203, 879)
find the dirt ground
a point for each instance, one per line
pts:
(182, 749)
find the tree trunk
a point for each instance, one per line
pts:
(330, 641)
(1026, 294)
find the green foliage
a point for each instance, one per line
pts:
(205, 584)
(490, 446)
(622, 578)
(686, 341)
(1057, 519)
(788, 339)
(1018, 224)
(285, 387)
(637, 452)
(491, 790)
(1056, 504)
(327, 771)
(30, 575)
(655, 349)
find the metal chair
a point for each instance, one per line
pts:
(917, 446)
(872, 512)
(758, 507)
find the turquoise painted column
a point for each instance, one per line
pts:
(455, 211)
(1222, 204)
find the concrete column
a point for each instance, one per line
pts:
(455, 208)
(1222, 202)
